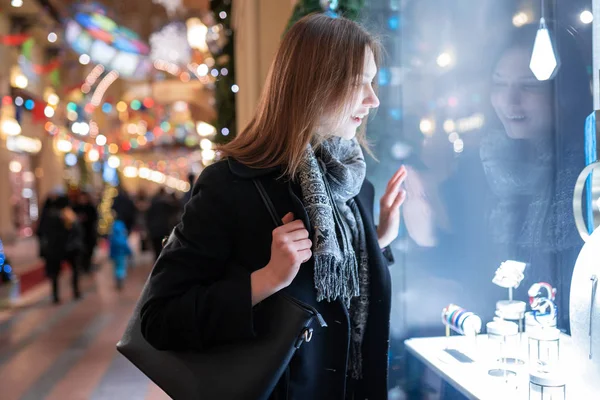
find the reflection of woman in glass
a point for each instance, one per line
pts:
(532, 162)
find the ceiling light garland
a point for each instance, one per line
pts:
(223, 57)
(82, 133)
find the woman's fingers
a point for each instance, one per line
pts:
(305, 254)
(287, 218)
(297, 235)
(400, 197)
(393, 189)
(399, 174)
(303, 244)
(290, 226)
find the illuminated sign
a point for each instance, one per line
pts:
(23, 144)
(89, 31)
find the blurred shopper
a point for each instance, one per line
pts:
(88, 218)
(56, 197)
(160, 218)
(119, 252)
(61, 239)
(124, 207)
(142, 203)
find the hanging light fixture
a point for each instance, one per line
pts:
(544, 61)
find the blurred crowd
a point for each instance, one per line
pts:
(68, 231)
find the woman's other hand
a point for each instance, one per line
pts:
(290, 248)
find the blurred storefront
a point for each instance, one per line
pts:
(89, 104)
(24, 193)
(29, 165)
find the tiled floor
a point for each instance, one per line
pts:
(67, 352)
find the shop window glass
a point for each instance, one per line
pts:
(493, 152)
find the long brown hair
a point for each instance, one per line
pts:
(316, 70)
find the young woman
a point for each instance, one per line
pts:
(304, 147)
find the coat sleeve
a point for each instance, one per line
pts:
(197, 298)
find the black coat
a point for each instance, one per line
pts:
(88, 218)
(52, 232)
(200, 292)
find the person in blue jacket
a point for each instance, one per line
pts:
(119, 251)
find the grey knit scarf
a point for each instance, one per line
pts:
(330, 180)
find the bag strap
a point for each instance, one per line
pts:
(267, 200)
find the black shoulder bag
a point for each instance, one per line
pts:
(242, 370)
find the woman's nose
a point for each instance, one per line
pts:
(371, 100)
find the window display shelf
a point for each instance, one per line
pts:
(465, 363)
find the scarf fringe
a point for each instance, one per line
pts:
(335, 278)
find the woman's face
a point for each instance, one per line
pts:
(523, 104)
(357, 107)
